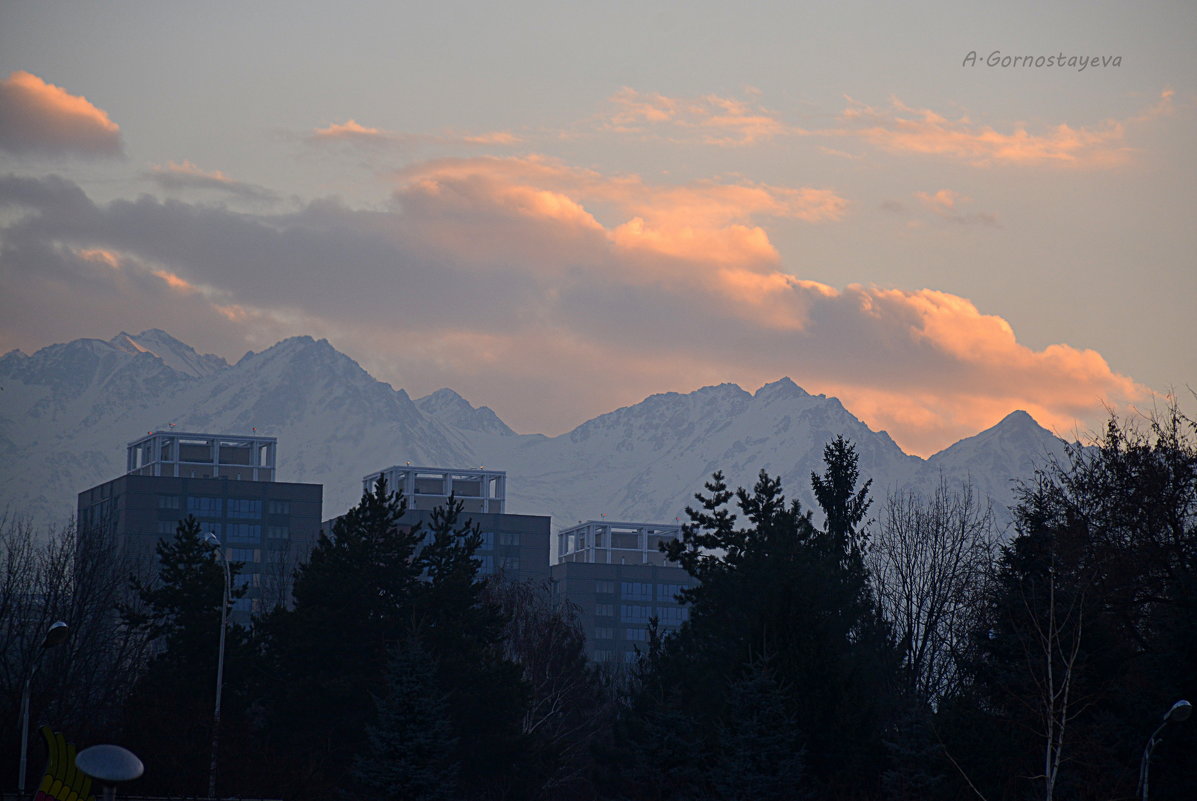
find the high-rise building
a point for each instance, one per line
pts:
(619, 579)
(516, 546)
(228, 483)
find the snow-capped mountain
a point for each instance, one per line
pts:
(68, 411)
(171, 351)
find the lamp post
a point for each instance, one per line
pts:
(54, 636)
(214, 541)
(1178, 713)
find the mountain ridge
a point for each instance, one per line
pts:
(69, 410)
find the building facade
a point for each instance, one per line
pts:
(617, 601)
(227, 483)
(619, 579)
(514, 546)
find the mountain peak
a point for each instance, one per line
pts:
(450, 407)
(783, 387)
(1017, 419)
(173, 353)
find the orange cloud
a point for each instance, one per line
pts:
(902, 129)
(354, 132)
(175, 282)
(186, 176)
(700, 221)
(350, 129)
(39, 117)
(710, 119)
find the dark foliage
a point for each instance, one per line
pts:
(784, 647)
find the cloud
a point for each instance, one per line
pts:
(903, 129)
(40, 118)
(187, 176)
(710, 119)
(943, 204)
(547, 291)
(704, 220)
(354, 133)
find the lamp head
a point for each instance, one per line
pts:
(212, 539)
(1179, 712)
(56, 634)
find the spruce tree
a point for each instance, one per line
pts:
(410, 745)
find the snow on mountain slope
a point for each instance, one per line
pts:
(997, 458)
(68, 411)
(171, 351)
(454, 410)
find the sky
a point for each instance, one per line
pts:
(938, 212)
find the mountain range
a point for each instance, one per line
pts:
(68, 411)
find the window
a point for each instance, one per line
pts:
(636, 591)
(604, 656)
(278, 533)
(200, 505)
(509, 538)
(244, 508)
(631, 657)
(635, 635)
(511, 563)
(487, 565)
(604, 586)
(243, 555)
(672, 615)
(634, 613)
(604, 633)
(167, 526)
(279, 507)
(668, 592)
(243, 605)
(488, 541)
(169, 501)
(243, 532)
(604, 610)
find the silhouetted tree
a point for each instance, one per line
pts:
(169, 715)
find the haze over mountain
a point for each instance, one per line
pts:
(68, 411)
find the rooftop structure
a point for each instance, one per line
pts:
(176, 454)
(480, 490)
(609, 542)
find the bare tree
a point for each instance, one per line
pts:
(928, 561)
(567, 705)
(59, 574)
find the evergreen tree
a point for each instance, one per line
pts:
(410, 746)
(169, 714)
(759, 757)
(779, 589)
(1087, 631)
(372, 584)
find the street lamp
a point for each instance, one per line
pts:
(54, 636)
(110, 765)
(1178, 713)
(214, 541)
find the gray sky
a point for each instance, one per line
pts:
(558, 210)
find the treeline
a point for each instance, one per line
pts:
(897, 650)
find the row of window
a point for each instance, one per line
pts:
(503, 539)
(602, 655)
(487, 564)
(634, 613)
(214, 507)
(640, 590)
